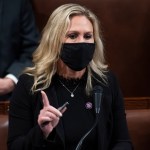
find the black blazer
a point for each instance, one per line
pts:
(18, 36)
(25, 134)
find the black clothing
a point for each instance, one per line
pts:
(77, 55)
(78, 119)
(111, 132)
(19, 36)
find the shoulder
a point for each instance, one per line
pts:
(110, 85)
(22, 92)
(109, 78)
(26, 80)
(25, 76)
(112, 82)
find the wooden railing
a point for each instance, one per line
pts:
(130, 103)
(137, 102)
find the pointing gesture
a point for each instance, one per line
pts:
(45, 99)
(49, 116)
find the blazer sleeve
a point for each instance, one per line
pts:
(120, 137)
(28, 39)
(24, 133)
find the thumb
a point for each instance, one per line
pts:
(45, 99)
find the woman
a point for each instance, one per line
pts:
(68, 64)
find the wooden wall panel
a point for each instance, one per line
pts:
(126, 31)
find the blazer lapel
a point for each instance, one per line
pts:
(51, 93)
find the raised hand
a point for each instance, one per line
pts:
(49, 116)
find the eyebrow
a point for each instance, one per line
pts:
(73, 31)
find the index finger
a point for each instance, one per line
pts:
(45, 99)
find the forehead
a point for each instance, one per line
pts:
(80, 22)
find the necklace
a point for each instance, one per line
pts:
(71, 92)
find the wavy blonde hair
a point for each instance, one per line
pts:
(47, 54)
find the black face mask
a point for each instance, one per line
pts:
(77, 55)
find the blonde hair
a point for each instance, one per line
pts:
(47, 54)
